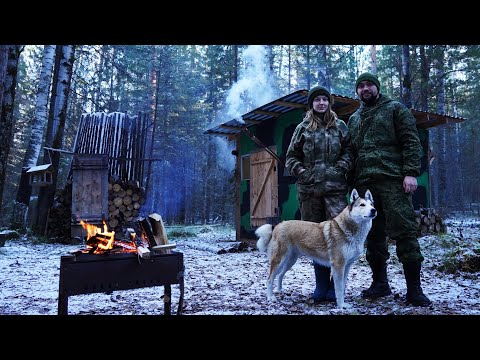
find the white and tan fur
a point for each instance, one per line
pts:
(336, 243)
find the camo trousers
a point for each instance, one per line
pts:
(321, 208)
(395, 218)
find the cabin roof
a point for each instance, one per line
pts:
(344, 106)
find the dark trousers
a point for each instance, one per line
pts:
(395, 218)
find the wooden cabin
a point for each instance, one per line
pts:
(265, 190)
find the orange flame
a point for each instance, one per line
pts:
(93, 230)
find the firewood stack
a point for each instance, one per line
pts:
(58, 225)
(429, 222)
(124, 202)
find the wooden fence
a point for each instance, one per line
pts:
(120, 136)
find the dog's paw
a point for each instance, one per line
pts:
(345, 306)
(272, 298)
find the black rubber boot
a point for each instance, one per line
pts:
(379, 286)
(415, 295)
(322, 281)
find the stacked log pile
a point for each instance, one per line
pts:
(59, 215)
(124, 202)
(429, 222)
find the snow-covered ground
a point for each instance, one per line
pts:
(234, 282)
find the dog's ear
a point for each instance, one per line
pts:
(353, 196)
(368, 196)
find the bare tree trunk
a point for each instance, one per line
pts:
(424, 78)
(289, 68)
(235, 63)
(39, 122)
(101, 66)
(111, 100)
(322, 67)
(6, 113)
(407, 81)
(438, 136)
(373, 59)
(354, 67)
(280, 57)
(308, 67)
(65, 55)
(3, 72)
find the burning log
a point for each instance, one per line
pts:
(154, 231)
(147, 231)
(100, 240)
(142, 250)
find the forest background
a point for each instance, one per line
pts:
(186, 89)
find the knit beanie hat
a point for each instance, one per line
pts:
(366, 76)
(314, 92)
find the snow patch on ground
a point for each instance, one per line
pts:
(234, 283)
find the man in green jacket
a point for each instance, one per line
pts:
(387, 153)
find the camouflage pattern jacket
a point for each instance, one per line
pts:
(385, 142)
(324, 153)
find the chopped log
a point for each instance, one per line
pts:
(113, 223)
(131, 234)
(423, 230)
(118, 201)
(147, 231)
(429, 222)
(143, 252)
(158, 229)
(124, 245)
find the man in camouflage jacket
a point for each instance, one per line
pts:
(387, 153)
(319, 156)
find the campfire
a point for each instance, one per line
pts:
(133, 261)
(152, 238)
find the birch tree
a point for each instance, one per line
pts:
(56, 123)
(39, 122)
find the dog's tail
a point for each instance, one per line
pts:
(264, 234)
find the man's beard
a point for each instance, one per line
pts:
(369, 101)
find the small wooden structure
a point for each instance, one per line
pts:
(89, 191)
(265, 191)
(107, 169)
(41, 175)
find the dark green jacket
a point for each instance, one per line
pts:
(325, 154)
(385, 142)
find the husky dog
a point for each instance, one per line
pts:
(336, 243)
